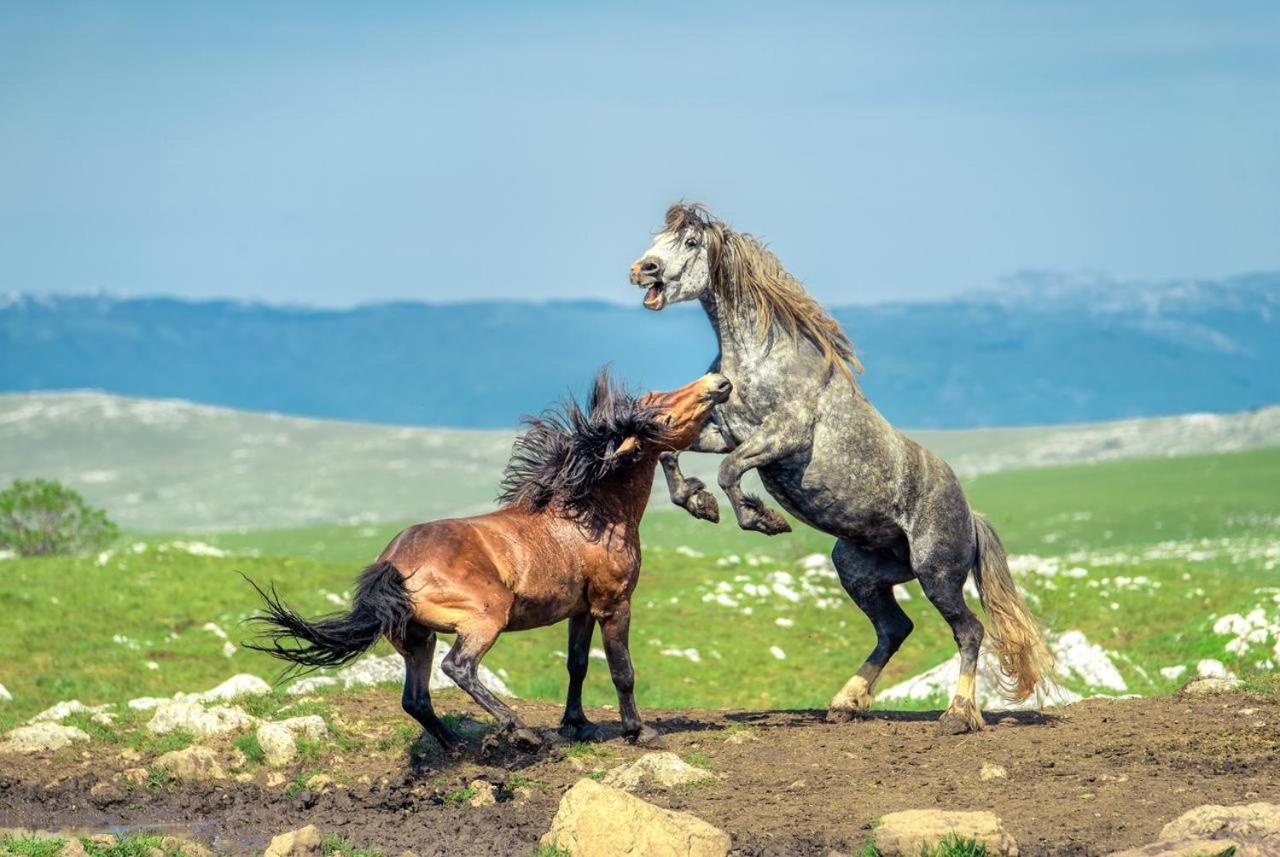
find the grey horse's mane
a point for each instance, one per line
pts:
(743, 269)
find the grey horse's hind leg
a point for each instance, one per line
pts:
(869, 579)
(943, 585)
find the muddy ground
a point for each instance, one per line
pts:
(1087, 779)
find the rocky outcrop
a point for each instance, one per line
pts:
(41, 737)
(172, 716)
(1253, 830)
(657, 770)
(192, 764)
(279, 740)
(595, 820)
(906, 834)
(304, 842)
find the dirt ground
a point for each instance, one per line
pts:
(1088, 779)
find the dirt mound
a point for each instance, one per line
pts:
(1088, 779)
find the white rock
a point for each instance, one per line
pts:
(242, 684)
(1213, 668)
(193, 763)
(390, 668)
(279, 739)
(62, 710)
(39, 737)
(311, 684)
(202, 722)
(662, 769)
(5, 696)
(989, 772)
(146, 703)
(1173, 672)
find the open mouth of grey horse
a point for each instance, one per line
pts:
(655, 297)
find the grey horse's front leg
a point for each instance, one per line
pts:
(688, 492)
(774, 439)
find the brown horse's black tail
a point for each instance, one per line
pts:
(381, 607)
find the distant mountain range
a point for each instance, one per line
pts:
(1043, 349)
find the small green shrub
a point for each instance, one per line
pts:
(954, 846)
(459, 796)
(248, 745)
(334, 844)
(39, 517)
(30, 846)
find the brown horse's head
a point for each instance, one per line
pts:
(566, 453)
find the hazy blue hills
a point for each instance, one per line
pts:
(1042, 349)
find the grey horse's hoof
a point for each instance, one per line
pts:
(952, 723)
(704, 505)
(767, 521)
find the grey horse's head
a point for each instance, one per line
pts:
(679, 263)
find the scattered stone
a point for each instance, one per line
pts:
(1252, 829)
(106, 840)
(311, 684)
(320, 783)
(39, 737)
(242, 684)
(202, 722)
(1209, 686)
(73, 848)
(135, 776)
(741, 737)
(906, 834)
(304, 842)
(990, 772)
(5, 696)
(192, 764)
(275, 779)
(1214, 668)
(485, 793)
(279, 739)
(62, 710)
(598, 819)
(661, 770)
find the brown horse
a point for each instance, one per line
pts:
(565, 545)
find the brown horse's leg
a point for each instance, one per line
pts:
(461, 665)
(574, 725)
(418, 649)
(615, 628)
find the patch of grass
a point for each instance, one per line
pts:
(698, 760)
(30, 846)
(249, 745)
(595, 775)
(955, 846)
(332, 843)
(520, 781)
(105, 733)
(458, 797)
(145, 742)
(551, 851)
(309, 749)
(867, 850)
(131, 845)
(158, 779)
(587, 750)
(299, 782)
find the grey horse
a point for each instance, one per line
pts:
(797, 415)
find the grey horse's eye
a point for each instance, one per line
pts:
(691, 242)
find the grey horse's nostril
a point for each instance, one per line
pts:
(648, 266)
(724, 385)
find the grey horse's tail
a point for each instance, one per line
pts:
(1014, 632)
(381, 607)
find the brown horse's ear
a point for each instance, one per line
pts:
(628, 446)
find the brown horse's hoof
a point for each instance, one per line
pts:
(952, 723)
(581, 733)
(703, 505)
(526, 739)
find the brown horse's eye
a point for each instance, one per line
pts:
(669, 420)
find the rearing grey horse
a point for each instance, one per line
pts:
(798, 416)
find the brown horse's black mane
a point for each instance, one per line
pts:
(565, 452)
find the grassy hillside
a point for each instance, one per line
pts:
(1142, 556)
(168, 465)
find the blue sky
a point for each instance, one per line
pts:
(334, 153)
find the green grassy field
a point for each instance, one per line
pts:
(722, 617)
